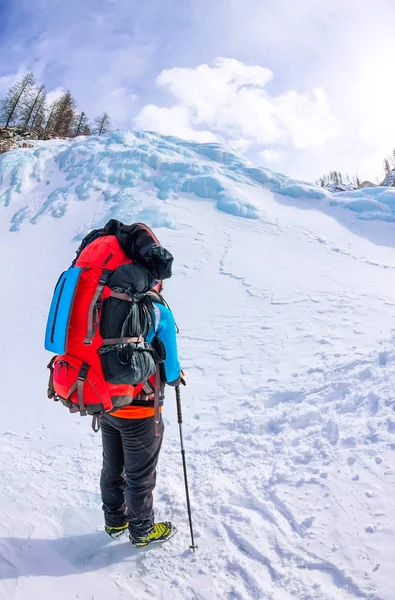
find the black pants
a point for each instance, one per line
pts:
(128, 477)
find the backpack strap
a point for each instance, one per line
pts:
(125, 340)
(159, 299)
(157, 401)
(80, 388)
(121, 296)
(93, 311)
(51, 391)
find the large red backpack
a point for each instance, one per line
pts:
(77, 377)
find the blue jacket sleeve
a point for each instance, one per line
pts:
(166, 331)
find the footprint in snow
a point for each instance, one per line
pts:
(383, 359)
(331, 432)
(284, 397)
(373, 404)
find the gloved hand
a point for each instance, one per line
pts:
(182, 378)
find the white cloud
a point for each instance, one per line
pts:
(271, 157)
(229, 101)
(171, 121)
(54, 95)
(117, 101)
(8, 80)
(307, 118)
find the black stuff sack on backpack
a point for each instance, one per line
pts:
(127, 316)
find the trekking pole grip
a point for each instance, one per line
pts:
(178, 399)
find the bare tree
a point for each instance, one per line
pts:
(51, 116)
(31, 105)
(38, 115)
(82, 125)
(102, 124)
(334, 178)
(10, 105)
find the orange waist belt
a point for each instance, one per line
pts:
(135, 412)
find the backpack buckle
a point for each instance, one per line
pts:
(83, 372)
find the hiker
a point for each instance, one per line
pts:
(114, 338)
(131, 452)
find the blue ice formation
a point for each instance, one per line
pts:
(120, 167)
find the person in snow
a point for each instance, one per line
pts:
(114, 338)
(131, 451)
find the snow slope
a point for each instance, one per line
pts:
(285, 303)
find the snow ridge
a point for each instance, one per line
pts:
(169, 167)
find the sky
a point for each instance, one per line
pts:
(299, 87)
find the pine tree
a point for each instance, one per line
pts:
(64, 114)
(102, 124)
(82, 125)
(10, 105)
(386, 165)
(30, 106)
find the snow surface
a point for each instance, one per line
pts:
(285, 303)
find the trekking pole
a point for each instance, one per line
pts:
(193, 546)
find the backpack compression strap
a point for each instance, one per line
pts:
(125, 340)
(157, 416)
(80, 388)
(80, 393)
(93, 311)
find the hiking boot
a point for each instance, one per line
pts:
(161, 532)
(115, 532)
